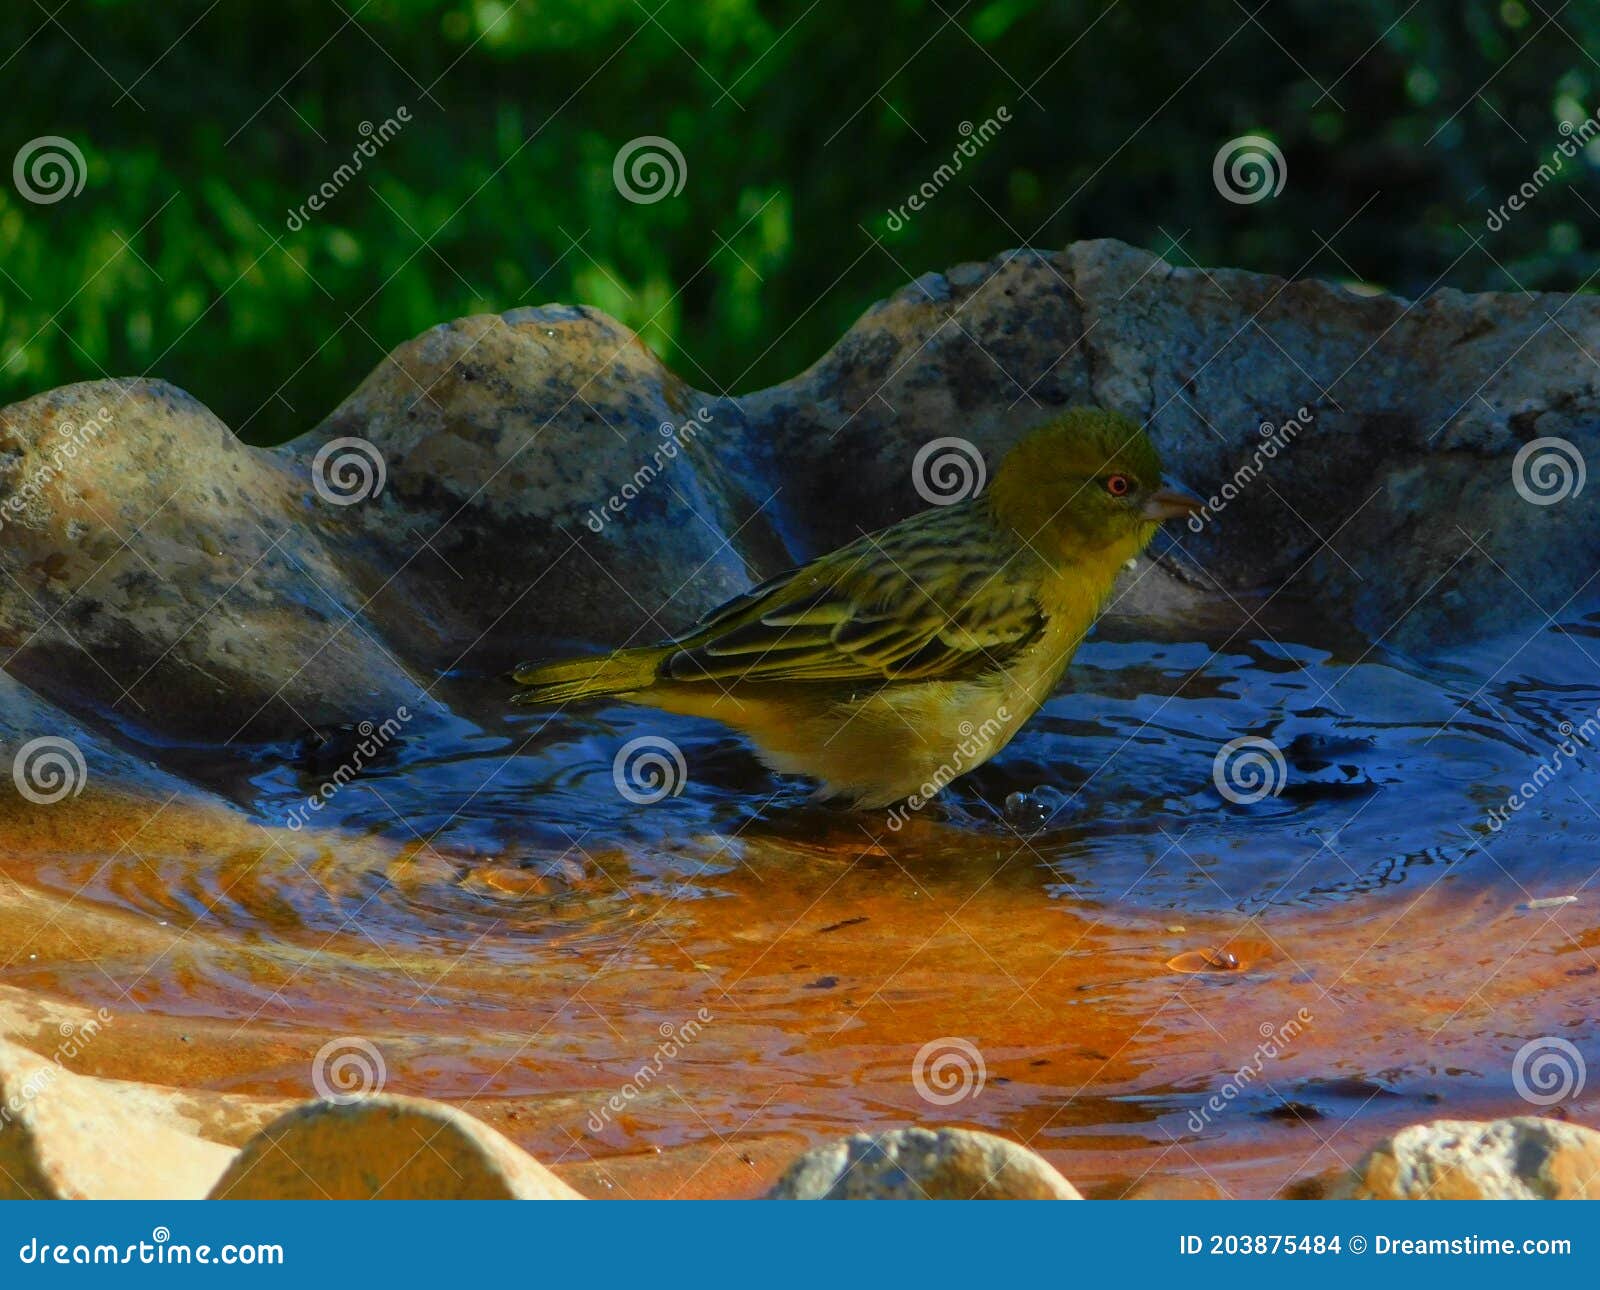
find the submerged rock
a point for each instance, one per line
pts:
(1523, 1158)
(923, 1164)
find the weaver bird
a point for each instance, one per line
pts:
(887, 668)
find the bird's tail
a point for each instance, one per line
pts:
(565, 680)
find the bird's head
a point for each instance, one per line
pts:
(1088, 482)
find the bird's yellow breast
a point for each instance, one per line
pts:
(874, 744)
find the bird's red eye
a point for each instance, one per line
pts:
(1118, 485)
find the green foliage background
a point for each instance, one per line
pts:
(802, 126)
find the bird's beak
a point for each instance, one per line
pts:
(1172, 501)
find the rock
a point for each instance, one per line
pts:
(76, 1036)
(62, 760)
(505, 440)
(1523, 1158)
(923, 1164)
(385, 1148)
(501, 485)
(166, 576)
(1401, 472)
(68, 1137)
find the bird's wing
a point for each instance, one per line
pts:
(929, 599)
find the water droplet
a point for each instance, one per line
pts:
(1034, 808)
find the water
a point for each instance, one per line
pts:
(1111, 934)
(1386, 764)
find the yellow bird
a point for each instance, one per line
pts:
(891, 666)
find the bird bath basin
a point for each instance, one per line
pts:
(1248, 893)
(510, 933)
